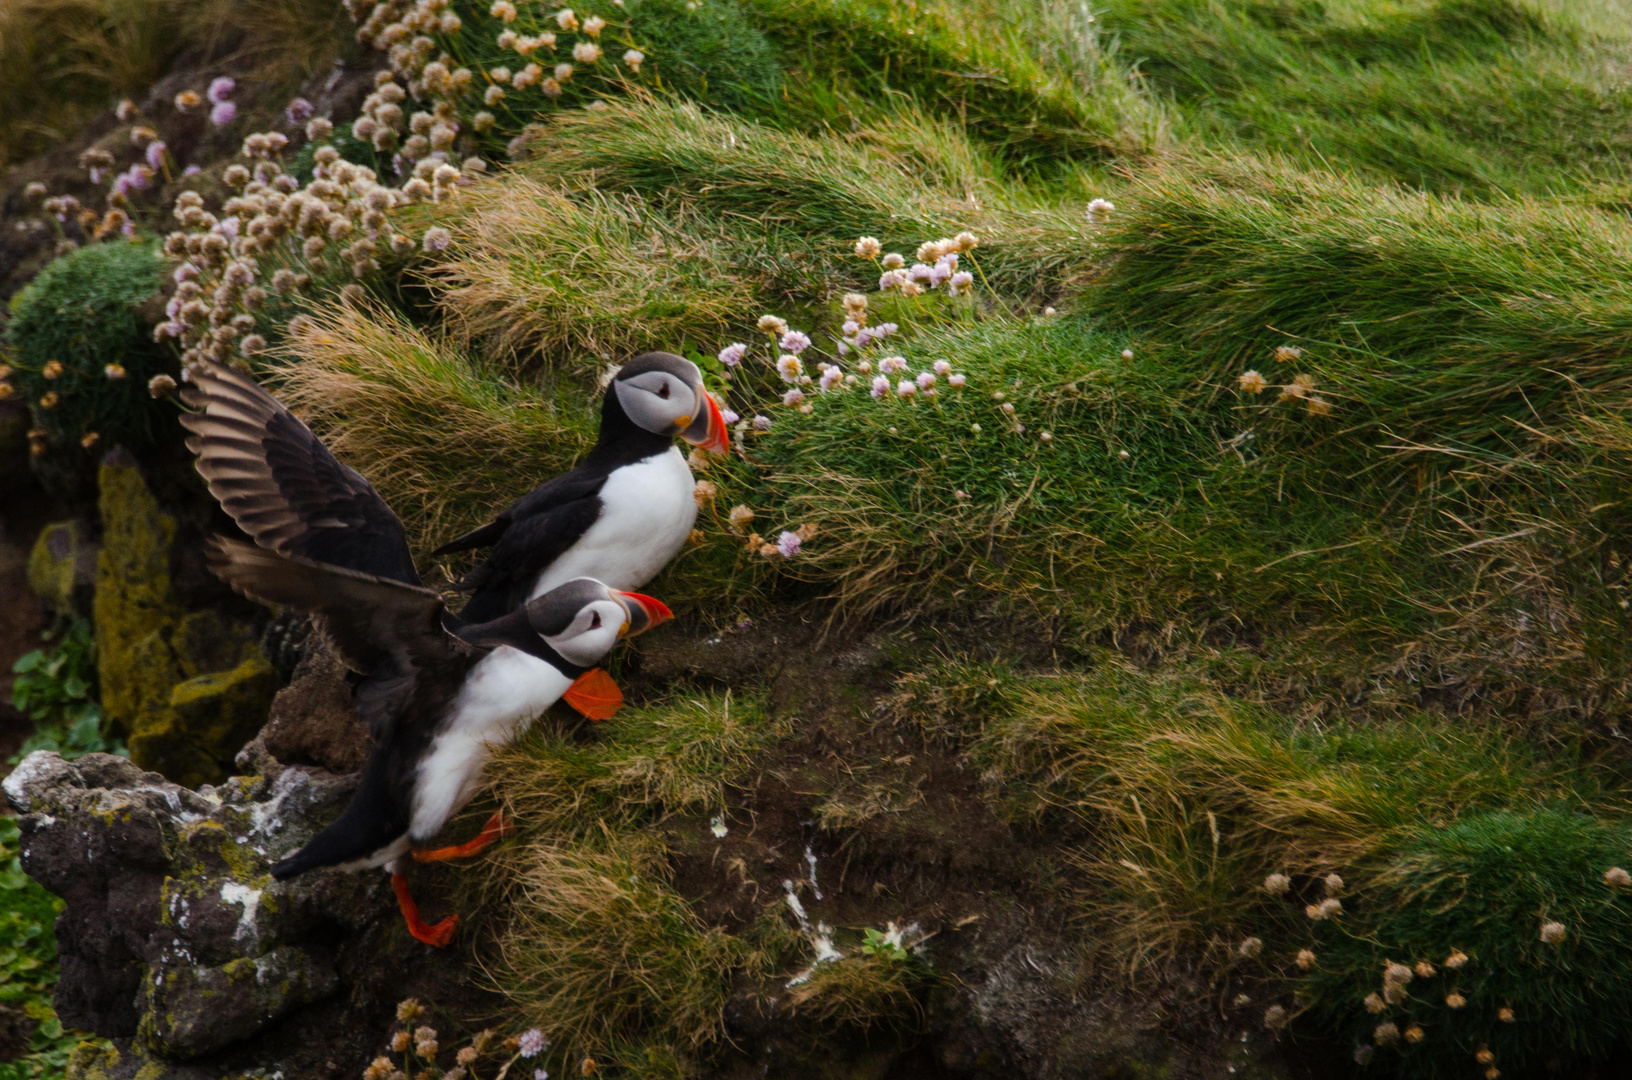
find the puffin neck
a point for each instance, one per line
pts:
(622, 440)
(516, 631)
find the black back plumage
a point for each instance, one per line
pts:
(282, 486)
(537, 528)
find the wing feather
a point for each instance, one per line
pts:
(282, 485)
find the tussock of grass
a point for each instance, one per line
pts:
(597, 948)
(601, 953)
(1485, 885)
(446, 443)
(1486, 97)
(859, 991)
(590, 279)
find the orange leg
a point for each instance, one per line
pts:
(497, 825)
(438, 935)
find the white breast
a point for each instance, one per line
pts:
(505, 691)
(647, 511)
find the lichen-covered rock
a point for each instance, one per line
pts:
(152, 652)
(207, 720)
(62, 567)
(188, 1011)
(177, 944)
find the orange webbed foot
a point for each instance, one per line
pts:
(497, 826)
(595, 695)
(438, 935)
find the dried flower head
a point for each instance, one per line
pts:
(1287, 353)
(1484, 1056)
(90, 440)
(1251, 382)
(566, 19)
(1396, 973)
(586, 52)
(739, 517)
(436, 239)
(1275, 1017)
(399, 1042)
(1505, 1014)
(1617, 878)
(1277, 884)
(1456, 959)
(893, 261)
(161, 386)
(770, 324)
(1374, 1004)
(1250, 948)
(1385, 1034)
(1425, 969)
(868, 247)
(1552, 933)
(1454, 1000)
(52, 369)
(1305, 959)
(503, 10)
(594, 25)
(126, 111)
(704, 493)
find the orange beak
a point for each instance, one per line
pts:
(644, 613)
(708, 430)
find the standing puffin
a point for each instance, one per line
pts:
(622, 513)
(437, 700)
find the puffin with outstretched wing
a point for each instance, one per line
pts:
(437, 693)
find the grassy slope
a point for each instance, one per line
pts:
(1322, 590)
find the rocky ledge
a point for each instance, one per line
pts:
(178, 946)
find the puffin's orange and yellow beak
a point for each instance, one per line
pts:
(645, 612)
(708, 430)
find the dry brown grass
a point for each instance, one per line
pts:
(860, 990)
(444, 442)
(585, 280)
(600, 951)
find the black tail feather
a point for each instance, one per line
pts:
(374, 819)
(486, 536)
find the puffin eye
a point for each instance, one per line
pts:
(595, 620)
(663, 391)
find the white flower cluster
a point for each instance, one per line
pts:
(270, 237)
(409, 33)
(937, 265)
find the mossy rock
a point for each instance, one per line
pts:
(188, 688)
(62, 567)
(191, 1011)
(207, 721)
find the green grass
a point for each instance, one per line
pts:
(28, 970)
(1487, 97)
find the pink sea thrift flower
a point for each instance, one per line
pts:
(224, 113)
(732, 355)
(788, 544)
(220, 90)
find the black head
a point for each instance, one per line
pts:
(583, 618)
(663, 393)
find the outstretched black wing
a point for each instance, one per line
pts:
(282, 485)
(390, 632)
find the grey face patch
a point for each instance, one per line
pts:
(553, 612)
(660, 392)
